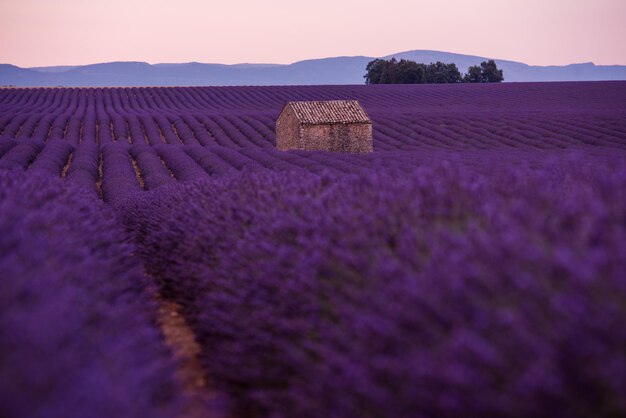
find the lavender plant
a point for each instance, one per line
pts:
(319, 284)
(441, 294)
(78, 335)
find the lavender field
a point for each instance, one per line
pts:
(473, 265)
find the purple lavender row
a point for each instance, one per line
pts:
(181, 165)
(209, 161)
(84, 169)
(21, 155)
(152, 133)
(199, 131)
(565, 96)
(119, 179)
(28, 126)
(11, 129)
(53, 158)
(183, 131)
(518, 116)
(6, 144)
(443, 293)
(78, 335)
(162, 164)
(268, 159)
(152, 169)
(165, 127)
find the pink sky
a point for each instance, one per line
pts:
(540, 32)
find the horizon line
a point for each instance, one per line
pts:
(307, 59)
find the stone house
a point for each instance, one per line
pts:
(334, 125)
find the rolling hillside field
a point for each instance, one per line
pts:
(472, 265)
(164, 135)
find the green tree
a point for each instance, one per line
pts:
(440, 72)
(388, 75)
(474, 75)
(487, 72)
(374, 71)
(380, 71)
(410, 72)
(490, 72)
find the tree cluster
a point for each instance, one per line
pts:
(380, 71)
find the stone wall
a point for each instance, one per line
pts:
(337, 137)
(287, 131)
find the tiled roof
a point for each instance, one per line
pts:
(330, 111)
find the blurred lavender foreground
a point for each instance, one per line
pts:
(78, 336)
(473, 265)
(443, 293)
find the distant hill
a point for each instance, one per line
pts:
(518, 71)
(336, 70)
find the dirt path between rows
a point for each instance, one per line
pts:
(202, 400)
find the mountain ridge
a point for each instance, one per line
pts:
(332, 70)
